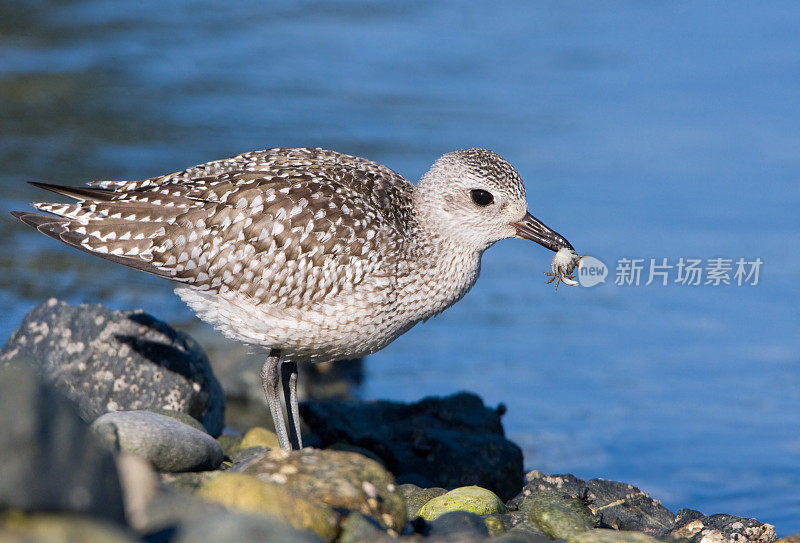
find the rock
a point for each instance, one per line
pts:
(168, 510)
(447, 442)
(496, 523)
(239, 528)
(105, 360)
(139, 487)
(357, 528)
(352, 448)
(725, 529)
(187, 482)
(180, 416)
(168, 444)
(230, 444)
(260, 437)
(790, 539)
(622, 506)
(472, 499)
(53, 528)
(612, 536)
(558, 515)
(246, 494)
(523, 533)
(51, 461)
(461, 524)
(242, 455)
(339, 480)
(416, 497)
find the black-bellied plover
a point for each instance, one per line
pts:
(312, 254)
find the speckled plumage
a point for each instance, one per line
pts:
(312, 253)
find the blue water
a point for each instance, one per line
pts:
(642, 130)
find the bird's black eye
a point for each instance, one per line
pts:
(482, 197)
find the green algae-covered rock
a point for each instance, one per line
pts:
(559, 516)
(230, 444)
(245, 493)
(260, 437)
(472, 499)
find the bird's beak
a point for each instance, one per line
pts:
(533, 229)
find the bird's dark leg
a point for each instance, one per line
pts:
(271, 381)
(289, 373)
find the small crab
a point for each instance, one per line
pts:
(561, 269)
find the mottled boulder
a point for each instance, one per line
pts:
(246, 494)
(721, 529)
(168, 444)
(105, 360)
(621, 506)
(343, 481)
(51, 461)
(447, 442)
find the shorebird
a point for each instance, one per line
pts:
(312, 254)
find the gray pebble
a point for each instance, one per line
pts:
(168, 444)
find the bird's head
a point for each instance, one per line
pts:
(476, 198)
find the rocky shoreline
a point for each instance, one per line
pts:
(114, 429)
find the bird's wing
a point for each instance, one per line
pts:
(385, 190)
(288, 230)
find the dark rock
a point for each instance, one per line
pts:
(458, 524)
(448, 442)
(51, 461)
(724, 529)
(416, 497)
(632, 509)
(685, 516)
(339, 480)
(105, 360)
(239, 528)
(169, 445)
